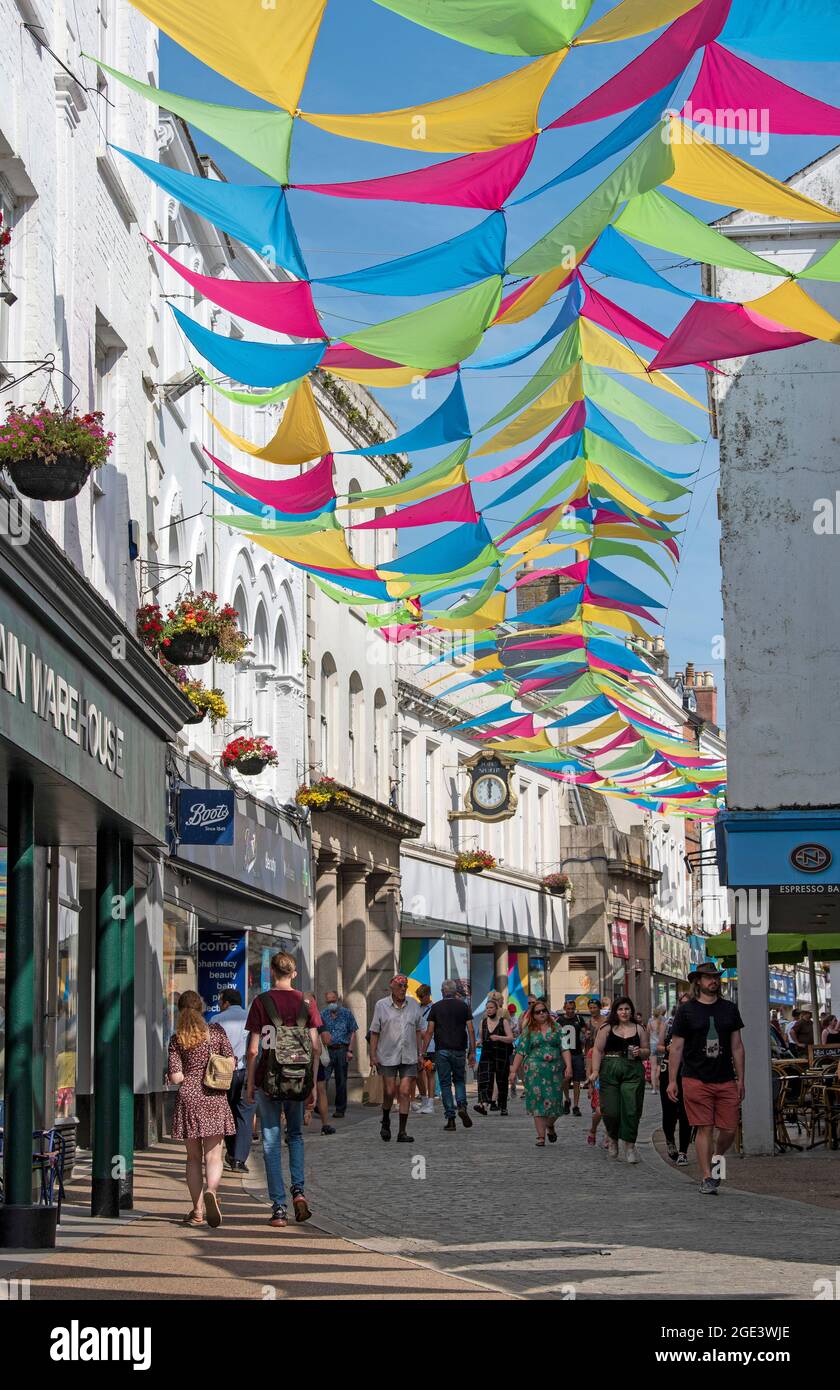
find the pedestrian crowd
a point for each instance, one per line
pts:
(276, 1060)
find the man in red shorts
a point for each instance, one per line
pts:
(706, 1044)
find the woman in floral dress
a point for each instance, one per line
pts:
(544, 1062)
(202, 1116)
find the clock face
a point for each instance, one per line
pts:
(489, 792)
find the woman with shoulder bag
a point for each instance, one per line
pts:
(201, 1063)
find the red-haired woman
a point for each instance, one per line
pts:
(202, 1116)
(544, 1062)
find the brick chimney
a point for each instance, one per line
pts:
(705, 693)
(539, 591)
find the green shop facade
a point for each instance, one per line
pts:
(86, 726)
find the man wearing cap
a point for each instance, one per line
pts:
(706, 1042)
(395, 1044)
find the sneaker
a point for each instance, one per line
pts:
(385, 1130)
(567, 1107)
(278, 1215)
(417, 1107)
(404, 1138)
(428, 1106)
(464, 1115)
(480, 1109)
(328, 1129)
(242, 1168)
(671, 1150)
(338, 1114)
(612, 1148)
(682, 1160)
(716, 1182)
(301, 1206)
(630, 1153)
(502, 1112)
(494, 1105)
(450, 1124)
(230, 1163)
(576, 1110)
(708, 1187)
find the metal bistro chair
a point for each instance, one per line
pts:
(48, 1156)
(786, 1089)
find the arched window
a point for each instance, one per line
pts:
(281, 646)
(240, 603)
(329, 714)
(173, 537)
(200, 573)
(355, 731)
(381, 788)
(259, 641)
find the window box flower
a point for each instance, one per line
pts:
(474, 861)
(48, 453)
(193, 631)
(560, 884)
(248, 756)
(321, 794)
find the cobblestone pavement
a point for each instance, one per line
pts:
(560, 1222)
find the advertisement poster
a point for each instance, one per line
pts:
(222, 964)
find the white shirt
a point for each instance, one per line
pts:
(397, 1029)
(232, 1019)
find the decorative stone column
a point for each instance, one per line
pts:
(383, 935)
(354, 961)
(327, 962)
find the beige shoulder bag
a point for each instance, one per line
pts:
(218, 1073)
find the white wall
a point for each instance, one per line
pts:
(778, 419)
(76, 262)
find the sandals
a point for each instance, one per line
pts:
(540, 1143)
(552, 1136)
(214, 1211)
(192, 1219)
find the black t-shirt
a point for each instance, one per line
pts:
(572, 1028)
(707, 1030)
(450, 1017)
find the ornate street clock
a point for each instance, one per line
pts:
(489, 795)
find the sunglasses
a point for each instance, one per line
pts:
(540, 1011)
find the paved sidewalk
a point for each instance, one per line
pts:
(564, 1221)
(149, 1255)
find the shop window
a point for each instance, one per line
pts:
(64, 953)
(180, 946)
(261, 947)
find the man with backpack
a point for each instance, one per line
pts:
(283, 1050)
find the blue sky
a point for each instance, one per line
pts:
(368, 59)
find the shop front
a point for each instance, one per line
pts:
(229, 907)
(672, 962)
(86, 722)
(481, 932)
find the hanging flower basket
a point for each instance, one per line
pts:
(193, 631)
(318, 795)
(474, 861)
(248, 756)
(204, 701)
(49, 454)
(559, 884)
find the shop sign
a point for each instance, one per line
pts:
(671, 954)
(222, 964)
(620, 934)
(25, 676)
(782, 988)
(206, 817)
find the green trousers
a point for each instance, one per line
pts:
(622, 1096)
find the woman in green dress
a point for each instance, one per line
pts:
(544, 1061)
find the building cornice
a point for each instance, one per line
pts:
(358, 807)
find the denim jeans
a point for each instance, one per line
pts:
(239, 1145)
(270, 1114)
(337, 1067)
(451, 1067)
